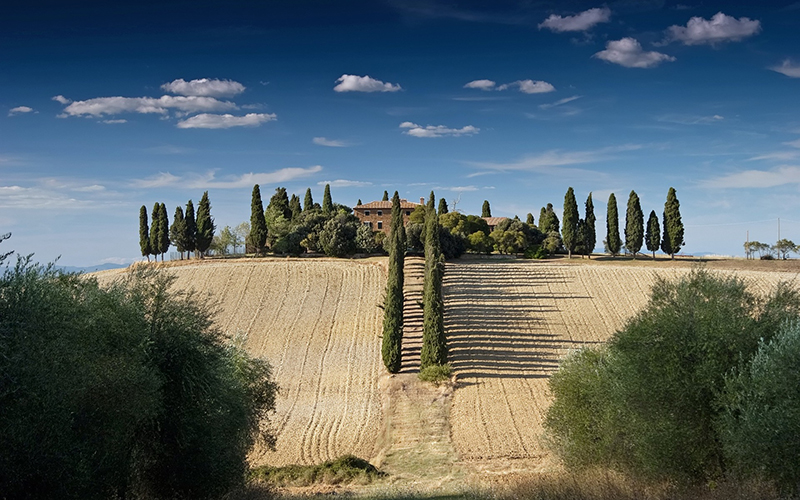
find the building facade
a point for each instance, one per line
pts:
(378, 214)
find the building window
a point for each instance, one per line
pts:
(380, 212)
(380, 225)
(408, 212)
(366, 212)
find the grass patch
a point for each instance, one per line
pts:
(343, 470)
(436, 373)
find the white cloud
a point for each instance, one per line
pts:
(19, 110)
(19, 197)
(100, 106)
(63, 100)
(788, 68)
(113, 122)
(777, 155)
(560, 102)
(579, 22)
(207, 120)
(354, 83)
(691, 119)
(457, 189)
(779, 176)
(94, 188)
(437, 130)
(209, 179)
(529, 86)
(342, 183)
(795, 143)
(720, 28)
(550, 162)
(331, 143)
(480, 84)
(628, 52)
(208, 87)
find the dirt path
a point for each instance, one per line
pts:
(414, 274)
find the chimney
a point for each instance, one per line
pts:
(422, 200)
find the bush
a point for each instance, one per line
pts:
(338, 238)
(436, 373)
(536, 252)
(343, 470)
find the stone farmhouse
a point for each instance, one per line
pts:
(378, 214)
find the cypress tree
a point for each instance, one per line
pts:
(163, 231)
(529, 219)
(543, 221)
(155, 228)
(590, 232)
(613, 242)
(434, 348)
(385, 196)
(144, 233)
(486, 210)
(634, 225)
(294, 206)
(308, 202)
(327, 201)
(552, 218)
(443, 206)
(391, 347)
(358, 202)
(569, 225)
(205, 225)
(258, 225)
(653, 235)
(177, 231)
(191, 229)
(673, 226)
(279, 205)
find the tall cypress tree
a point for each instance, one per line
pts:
(177, 231)
(258, 225)
(191, 229)
(294, 206)
(327, 201)
(634, 224)
(205, 225)
(163, 231)
(144, 233)
(529, 219)
(391, 347)
(442, 206)
(569, 224)
(673, 226)
(653, 235)
(155, 229)
(613, 242)
(358, 202)
(308, 202)
(590, 232)
(434, 348)
(486, 210)
(385, 196)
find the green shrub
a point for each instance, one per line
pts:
(436, 373)
(343, 470)
(536, 252)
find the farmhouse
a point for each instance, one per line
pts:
(378, 214)
(493, 221)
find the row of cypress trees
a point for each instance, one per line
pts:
(186, 233)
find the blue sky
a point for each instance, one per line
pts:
(107, 106)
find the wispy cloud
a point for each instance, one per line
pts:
(524, 86)
(560, 102)
(113, 122)
(579, 22)
(788, 68)
(208, 87)
(691, 119)
(795, 143)
(331, 143)
(778, 176)
(20, 110)
(100, 106)
(355, 83)
(480, 84)
(457, 189)
(719, 29)
(209, 179)
(552, 162)
(437, 130)
(342, 183)
(777, 155)
(37, 198)
(628, 52)
(214, 121)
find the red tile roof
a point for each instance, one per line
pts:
(387, 205)
(493, 221)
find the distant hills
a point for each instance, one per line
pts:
(90, 269)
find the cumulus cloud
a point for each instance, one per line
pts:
(331, 143)
(720, 28)
(629, 53)
(529, 86)
(579, 22)
(779, 176)
(342, 183)
(208, 120)
(355, 83)
(206, 87)
(100, 106)
(209, 179)
(480, 84)
(788, 68)
(19, 110)
(437, 130)
(560, 102)
(63, 100)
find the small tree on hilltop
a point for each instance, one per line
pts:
(486, 210)
(613, 242)
(673, 226)
(784, 247)
(177, 231)
(144, 233)
(327, 201)
(191, 229)
(569, 225)
(653, 235)
(634, 225)
(205, 225)
(258, 224)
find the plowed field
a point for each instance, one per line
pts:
(509, 322)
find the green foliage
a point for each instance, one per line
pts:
(338, 238)
(650, 403)
(510, 241)
(155, 230)
(569, 225)
(5, 255)
(144, 233)
(536, 252)
(163, 230)
(177, 232)
(673, 226)
(258, 224)
(385, 196)
(190, 238)
(417, 215)
(205, 225)
(308, 201)
(613, 243)
(653, 235)
(589, 236)
(343, 470)
(327, 201)
(415, 236)
(552, 242)
(437, 374)
(480, 243)
(393, 305)
(278, 206)
(634, 225)
(529, 218)
(486, 210)
(294, 207)
(442, 207)
(452, 245)
(126, 391)
(224, 240)
(434, 348)
(784, 247)
(365, 239)
(548, 220)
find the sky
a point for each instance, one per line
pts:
(108, 106)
